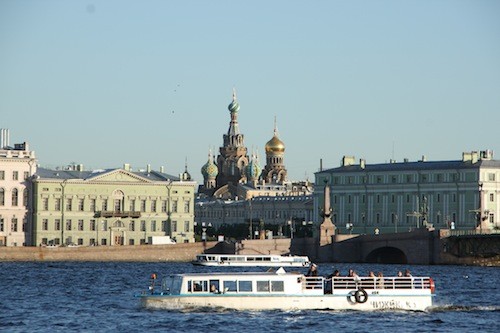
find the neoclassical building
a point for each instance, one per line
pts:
(400, 196)
(17, 165)
(111, 207)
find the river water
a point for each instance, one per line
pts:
(99, 297)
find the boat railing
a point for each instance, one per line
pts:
(381, 283)
(313, 283)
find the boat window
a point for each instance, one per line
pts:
(229, 286)
(214, 286)
(277, 286)
(263, 286)
(197, 286)
(244, 286)
(258, 259)
(250, 259)
(267, 259)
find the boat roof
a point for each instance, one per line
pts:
(279, 271)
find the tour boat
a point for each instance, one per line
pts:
(251, 260)
(281, 290)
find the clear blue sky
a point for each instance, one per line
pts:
(110, 82)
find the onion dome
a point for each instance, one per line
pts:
(275, 145)
(253, 169)
(186, 175)
(234, 106)
(209, 170)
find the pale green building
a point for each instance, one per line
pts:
(111, 207)
(401, 196)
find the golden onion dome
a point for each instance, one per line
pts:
(275, 145)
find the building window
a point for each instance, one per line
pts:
(57, 225)
(454, 197)
(394, 179)
(104, 225)
(1, 224)
(80, 225)
(57, 204)
(186, 206)
(153, 206)
(164, 226)
(378, 198)
(25, 197)
(130, 242)
(492, 197)
(2, 175)
(439, 178)
(379, 179)
(92, 226)
(15, 175)
(45, 224)
(131, 226)
(174, 206)
(186, 226)
(407, 198)
(438, 197)
(26, 175)
(92, 205)
(14, 197)
(492, 218)
(408, 178)
(80, 241)
(45, 203)
(104, 205)
(104, 241)
(118, 205)
(173, 226)
(393, 198)
(132, 205)
(153, 226)
(377, 217)
(363, 198)
(68, 204)
(13, 226)
(68, 224)
(491, 177)
(81, 205)
(143, 206)
(164, 206)
(143, 225)
(349, 198)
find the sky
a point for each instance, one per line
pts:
(103, 83)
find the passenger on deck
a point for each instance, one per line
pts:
(380, 281)
(400, 274)
(313, 270)
(407, 273)
(371, 274)
(335, 273)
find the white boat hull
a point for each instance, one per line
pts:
(310, 302)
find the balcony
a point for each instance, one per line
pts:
(110, 213)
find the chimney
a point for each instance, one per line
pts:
(149, 168)
(406, 160)
(320, 164)
(362, 163)
(126, 167)
(4, 138)
(162, 169)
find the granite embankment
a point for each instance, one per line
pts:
(139, 253)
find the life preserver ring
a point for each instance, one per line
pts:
(360, 295)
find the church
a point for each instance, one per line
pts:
(236, 189)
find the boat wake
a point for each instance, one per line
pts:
(463, 308)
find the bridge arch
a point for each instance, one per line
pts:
(387, 255)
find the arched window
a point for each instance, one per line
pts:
(15, 197)
(2, 197)
(118, 200)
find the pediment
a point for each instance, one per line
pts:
(119, 175)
